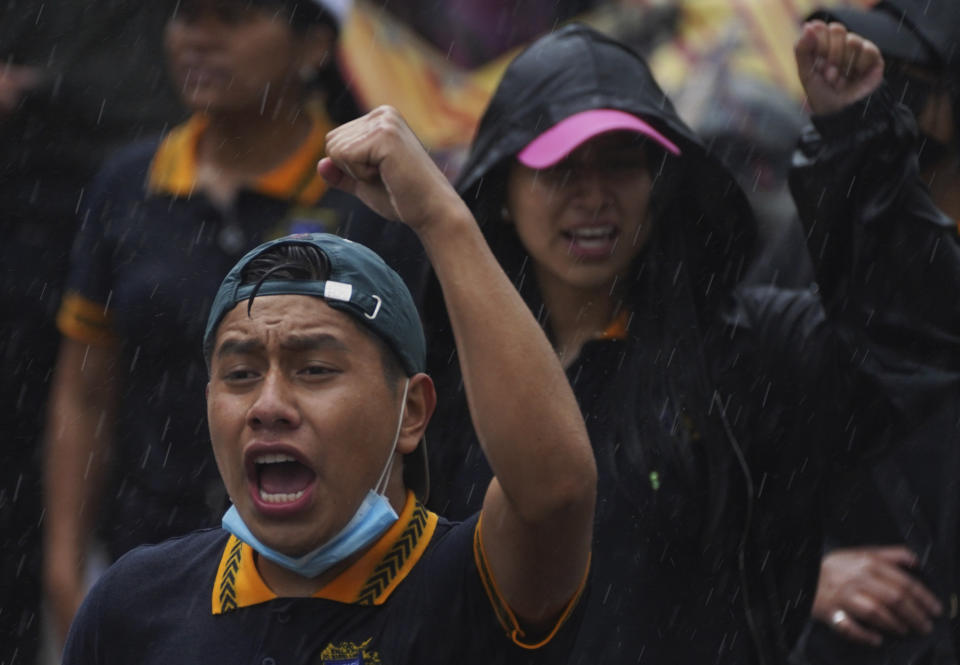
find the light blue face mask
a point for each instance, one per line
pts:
(374, 516)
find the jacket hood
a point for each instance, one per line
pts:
(577, 69)
(923, 32)
(936, 22)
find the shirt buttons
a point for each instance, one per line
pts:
(269, 661)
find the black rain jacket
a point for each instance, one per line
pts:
(714, 421)
(909, 496)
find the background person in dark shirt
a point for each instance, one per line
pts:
(77, 80)
(127, 443)
(888, 584)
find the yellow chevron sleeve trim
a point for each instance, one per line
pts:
(85, 321)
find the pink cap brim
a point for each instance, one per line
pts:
(570, 133)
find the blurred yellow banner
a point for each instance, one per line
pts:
(388, 63)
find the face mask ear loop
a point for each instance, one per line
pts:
(381, 485)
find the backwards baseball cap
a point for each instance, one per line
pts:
(556, 143)
(359, 284)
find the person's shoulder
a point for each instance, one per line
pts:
(171, 574)
(135, 155)
(764, 307)
(128, 165)
(450, 531)
(450, 550)
(457, 597)
(153, 594)
(449, 562)
(446, 572)
(195, 553)
(762, 296)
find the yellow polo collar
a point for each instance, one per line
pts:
(173, 170)
(369, 581)
(617, 328)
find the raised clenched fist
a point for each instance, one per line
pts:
(379, 159)
(836, 67)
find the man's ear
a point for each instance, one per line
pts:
(421, 402)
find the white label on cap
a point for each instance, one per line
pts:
(337, 291)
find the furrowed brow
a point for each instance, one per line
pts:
(319, 342)
(239, 347)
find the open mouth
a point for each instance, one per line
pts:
(280, 478)
(592, 241)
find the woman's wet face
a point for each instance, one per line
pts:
(231, 55)
(584, 220)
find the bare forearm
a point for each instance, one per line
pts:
(522, 407)
(525, 414)
(538, 511)
(79, 427)
(77, 449)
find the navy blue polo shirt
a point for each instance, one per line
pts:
(421, 594)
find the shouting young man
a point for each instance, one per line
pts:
(317, 406)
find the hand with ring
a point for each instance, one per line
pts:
(867, 591)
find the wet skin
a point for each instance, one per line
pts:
(584, 220)
(297, 378)
(230, 56)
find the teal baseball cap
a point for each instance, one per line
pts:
(359, 284)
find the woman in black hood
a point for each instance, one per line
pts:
(713, 409)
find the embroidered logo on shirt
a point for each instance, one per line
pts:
(349, 653)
